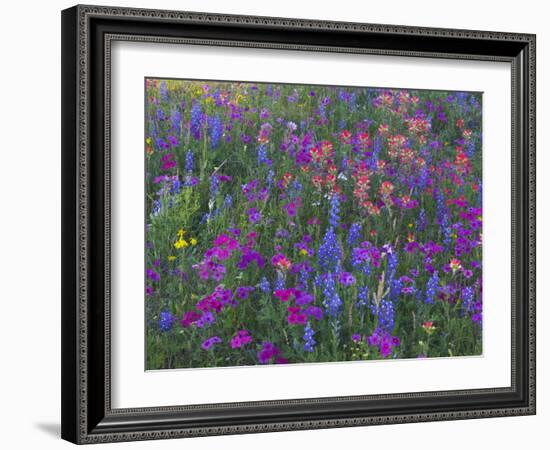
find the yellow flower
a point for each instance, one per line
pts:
(181, 243)
(171, 258)
(148, 141)
(303, 252)
(193, 241)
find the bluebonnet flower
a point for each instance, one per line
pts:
(160, 114)
(304, 270)
(156, 207)
(332, 300)
(423, 178)
(196, 120)
(343, 95)
(228, 201)
(322, 112)
(344, 164)
(375, 152)
(309, 340)
(269, 179)
(175, 119)
(421, 222)
(279, 281)
(163, 91)
(431, 287)
(470, 149)
(262, 156)
(447, 232)
(189, 161)
(418, 295)
(334, 215)
(215, 127)
(386, 316)
(304, 275)
(329, 253)
(214, 186)
(354, 233)
(479, 198)
(474, 102)
(395, 288)
(175, 188)
(295, 188)
(362, 297)
(264, 285)
(392, 265)
(352, 101)
(442, 212)
(166, 321)
(467, 299)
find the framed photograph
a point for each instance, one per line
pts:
(281, 224)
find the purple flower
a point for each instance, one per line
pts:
(153, 275)
(248, 257)
(210, 342)
(254, 216)
(268, 351)
(314, 311)
(189, 317)
(346, 279)
(476, 318)
(296, 316)
(374, 339)
(385, 348)
(408, 290)
(303, 298)
(290, 208)
(242, 292)
(241, 338)
(206, 319)
(173, 141)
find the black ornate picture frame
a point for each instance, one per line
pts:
(87, 35)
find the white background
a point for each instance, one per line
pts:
(30, 226)
(132, 387)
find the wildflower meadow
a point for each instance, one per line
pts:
(304, 224)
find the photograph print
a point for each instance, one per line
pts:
(290, 223)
